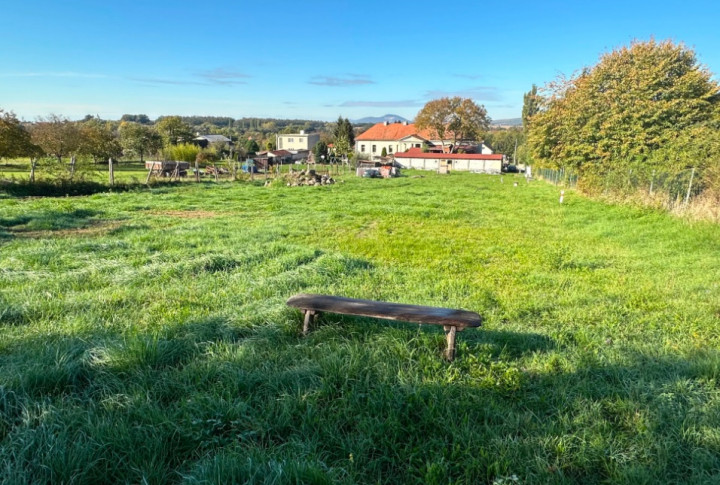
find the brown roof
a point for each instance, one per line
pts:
(397, 131)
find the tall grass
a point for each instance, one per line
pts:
(144, 337)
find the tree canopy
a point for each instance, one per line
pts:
(139, 139)
(622, 111)
(456, 118)
(56, 136)
(174, 130)
(344, 129)
(14, 138)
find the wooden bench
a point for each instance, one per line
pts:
(452, 320)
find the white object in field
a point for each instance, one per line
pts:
(562, 196)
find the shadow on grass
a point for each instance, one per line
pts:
(211, 400)
(49, 220)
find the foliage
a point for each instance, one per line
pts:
(183, 152)
(173, 130)
(616, 115)
(97, 140)
(505, 141)
(531, 105)
(139, 139)
(455, 119)
(342, 147)
(251, 146)
(145, 337)
(142, 119)
(344, 129)
(56, 136)
(15, 140)
(320, 150)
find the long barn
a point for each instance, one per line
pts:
(469, 162)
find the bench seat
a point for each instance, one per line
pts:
(452, 320)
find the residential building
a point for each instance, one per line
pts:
(297, 141)
(399, 137)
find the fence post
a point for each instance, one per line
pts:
(652, 181)
(111, 173)
(687, 196)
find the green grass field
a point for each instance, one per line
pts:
(144, 337)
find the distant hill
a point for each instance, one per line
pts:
(379, 119)
(507, 122)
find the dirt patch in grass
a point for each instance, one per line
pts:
(191, 214)
(94, 228)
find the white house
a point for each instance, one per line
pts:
(297, 141)
(472, 162)
(399, 137)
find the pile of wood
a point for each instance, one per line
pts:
(308, 177)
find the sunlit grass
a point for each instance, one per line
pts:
(144, 337)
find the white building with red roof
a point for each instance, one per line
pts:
(472, 162)
(399, 137)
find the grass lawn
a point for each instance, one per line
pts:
(144, 337)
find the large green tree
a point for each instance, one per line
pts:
(97, 140)
(139, 139)
(457, 119)
(617, 114)
(344, 129)
(174, 130)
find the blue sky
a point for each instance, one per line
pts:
(314, 59)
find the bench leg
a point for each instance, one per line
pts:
(309, 319)
(450, 331)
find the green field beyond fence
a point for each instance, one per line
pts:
(144, 336)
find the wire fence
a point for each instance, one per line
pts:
(671, 190)
(566, 178)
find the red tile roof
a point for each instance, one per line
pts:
(418, 153)
(397, 131)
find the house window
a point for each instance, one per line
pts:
(417, 145)
(390, 149)
(374, 149)
(290, 140)
(362, 148)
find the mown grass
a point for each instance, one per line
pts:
(145, 339)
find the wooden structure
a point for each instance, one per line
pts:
(452, 320)
(167, 168)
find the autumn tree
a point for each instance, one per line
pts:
(174, 130)
(619, 113)
(56, 136)
(457, 119)
(14, 138)
(97, 140)
(139, 139)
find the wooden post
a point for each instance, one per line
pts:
(450, 331)
(33, 163)
(216, 172)
(197, 171)
(110, 171)
(687, 196)
(309, 319)
(150, 171)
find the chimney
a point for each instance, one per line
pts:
(405, 123)
(385, 122)
(302, 132)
